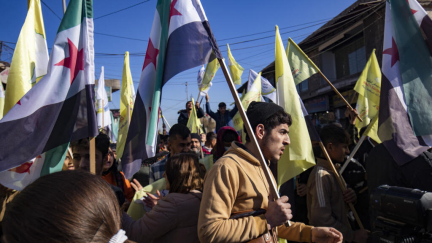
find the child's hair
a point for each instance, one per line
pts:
(184, 173)
(67, 206)
(333, 134)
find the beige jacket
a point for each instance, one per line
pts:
(326, 206)
(232, 187)
(173, 219)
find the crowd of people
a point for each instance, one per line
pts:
(229, 201)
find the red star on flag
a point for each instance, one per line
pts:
(151, 55)
(75, 61)
(173, 11)
(412, 10)
(393, 51)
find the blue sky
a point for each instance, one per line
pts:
(228, 19)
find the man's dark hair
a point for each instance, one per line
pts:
(333, 134)
(179, 129)
(102, 143)
(280, 117)
(210, 136)
(222, 104)
(188, 103)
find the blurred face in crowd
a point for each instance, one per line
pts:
(338, 151)
(195, 145)
(189, 106)
(179, 145)
(203, 137)
(222, 109)
(273, 144)
(68, 163)
(213, 142)
(109, 162)
(81, 159)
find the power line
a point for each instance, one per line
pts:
(121, 10)
(122, 37)
(46, 5)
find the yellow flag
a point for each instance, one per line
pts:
(301, 66)
(369, 88)
(30, 58)
(254, 94)
(235, 69)
(209, 74)
(2, 98)
(194, 124)
(126, 103)
(299, 156)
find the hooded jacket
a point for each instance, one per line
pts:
(326, 206)
(236, 184)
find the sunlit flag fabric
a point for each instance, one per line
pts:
(2, 98)
(60, 107)
(300, 155)
(235, 69)
(267, 90)
(180, 39)
(194, 124)
(301, 66)
(126, 103)
(394, 127)
(210, 72)
(368, 87)
(253, 94)
(30, 58)
(200, 78)
(113, 129)
(102, 103)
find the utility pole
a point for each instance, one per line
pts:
(187, 93)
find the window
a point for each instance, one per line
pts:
(302, 87)
(351, 58)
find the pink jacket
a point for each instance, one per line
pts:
(173, 219)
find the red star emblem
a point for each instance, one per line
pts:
(393, 51)
(151, 55)
(24, 168)
(75, 61)
(19, 102)
(412, 10)
(173, 11)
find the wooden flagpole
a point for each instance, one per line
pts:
(242, 112)
(103, 114)
(340, 95)
(341, 183)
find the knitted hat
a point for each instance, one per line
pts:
(197, 136)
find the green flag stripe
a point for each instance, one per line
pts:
(163, 8)
(75, 13)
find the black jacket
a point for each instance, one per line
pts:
(183, 117)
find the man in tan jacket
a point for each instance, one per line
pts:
(236, 184)
(326, 201)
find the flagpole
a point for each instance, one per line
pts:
(341, 183)
(242, 112)
(103, 114)
(64, 6)
(166, 122)
(359, 143)
(339, 94)
(352, 154)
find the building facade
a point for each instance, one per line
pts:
(341, 48)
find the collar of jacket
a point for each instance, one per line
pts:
(325, 164)
(240, 150)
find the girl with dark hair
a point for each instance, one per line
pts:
(175, 217)
(67, 206)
